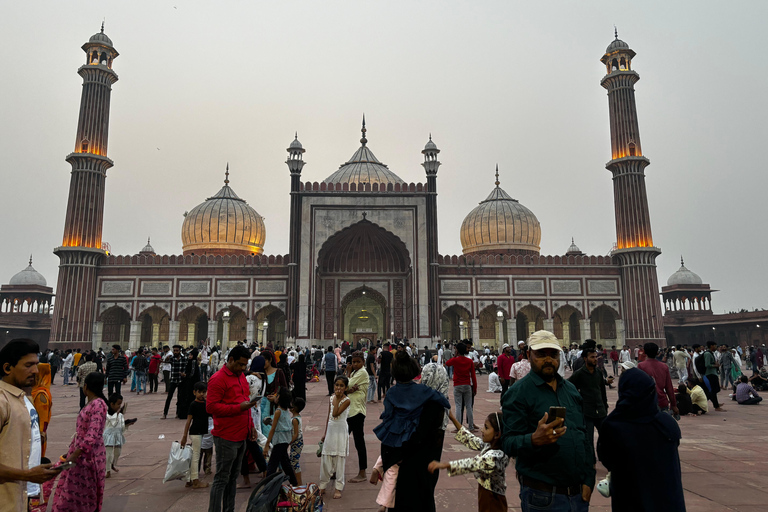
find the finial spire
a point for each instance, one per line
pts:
(363, 140)
(296, 135)
(682, 263)
(430, 136)
(30, 260)
(148, 241)
(497, 175)
(572, 241)
(615, 32)
(102, 26)
(226, 175)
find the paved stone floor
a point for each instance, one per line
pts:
(723, 458)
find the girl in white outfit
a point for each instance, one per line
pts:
(336, 438)
(113, 432)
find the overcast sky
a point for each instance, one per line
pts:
(515, 83)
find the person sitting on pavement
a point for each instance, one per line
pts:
(745, 393)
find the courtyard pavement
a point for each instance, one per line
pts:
(723, 458)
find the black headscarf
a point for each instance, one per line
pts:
(638, 402)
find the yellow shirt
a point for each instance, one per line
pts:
(76, 361)
(358, 378)
(15, 442)
(698, 397)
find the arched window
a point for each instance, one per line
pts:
(614, 65)
(103, 59)
(84, 146)
(623, 64)
(632, 149)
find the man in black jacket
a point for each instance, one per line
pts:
(591, 385)
(117, 370)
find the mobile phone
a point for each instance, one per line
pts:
(65, 465)
(556, 412)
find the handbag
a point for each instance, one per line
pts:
(179, 462)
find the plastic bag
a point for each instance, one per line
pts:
(179, 462)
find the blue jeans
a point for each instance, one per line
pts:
(462, 395)
(371, 388)
(66, 373)
(229, 457)
(141, 381)
(532, 500)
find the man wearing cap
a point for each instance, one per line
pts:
(554, 462)
(504, 363)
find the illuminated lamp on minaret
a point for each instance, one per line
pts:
(81, 249)
(634, 242)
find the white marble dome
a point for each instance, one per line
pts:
(28, 277)
(500, 224)
(223, 224)
(683, 276)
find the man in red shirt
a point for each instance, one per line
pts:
(615, 360)
(660, 373)
(228, 402)
(464, 384)
(504, 364)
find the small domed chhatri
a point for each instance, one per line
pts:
(223, 224)
(28, 277)
(364, 167)
(683, 276)
(500, 225)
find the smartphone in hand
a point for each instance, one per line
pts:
(556, 412)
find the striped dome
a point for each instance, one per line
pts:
(223, 224)
(499, 225)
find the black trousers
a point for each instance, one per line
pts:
(172, 387)
(82, 397)
(504, 388)
(592, 424)
(356, 426)
(714, 382)
(152, 377)
(256, 452)
(330, 377)
(54, 369)
(166, 378)
(279, 457)
(384, 380)
(114, 386)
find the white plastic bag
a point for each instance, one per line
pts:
(179, 462)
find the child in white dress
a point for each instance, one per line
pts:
(114, 429)
(336, 438)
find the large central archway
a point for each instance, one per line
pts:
(364, 315)
(361, 254)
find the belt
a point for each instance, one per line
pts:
(538, 485)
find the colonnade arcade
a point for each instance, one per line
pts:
(493, 326)
(154, 327)
(25, 304)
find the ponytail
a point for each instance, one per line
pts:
(95, 383)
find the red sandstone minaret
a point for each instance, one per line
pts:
(634, 242)
(81, 249)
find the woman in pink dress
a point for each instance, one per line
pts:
(81, 489)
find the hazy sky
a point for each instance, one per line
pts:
(514, 83)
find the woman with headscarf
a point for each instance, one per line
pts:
(434, 376)
(191, 377)
(638, 445)
(42, 400)
(300, 378)
(411, 421)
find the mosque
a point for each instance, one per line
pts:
(362, 261)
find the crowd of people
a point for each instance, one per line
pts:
(243, 405)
